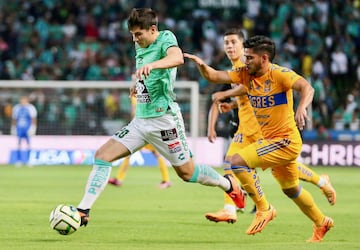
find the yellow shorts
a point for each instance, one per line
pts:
(279, 154)
(271, 153)
(240, 141)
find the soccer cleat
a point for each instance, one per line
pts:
(222, 215)
(236, 193)
(319, 232)
(84, 215)
(262, 218)
(328, 190)
(115, 182)
(164, 184)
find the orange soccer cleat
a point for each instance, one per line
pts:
(319, 232)
(262, 218)
(236, 193)
(222, 215)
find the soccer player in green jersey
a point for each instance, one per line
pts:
(158, 120)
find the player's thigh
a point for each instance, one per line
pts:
(270, 153)
(111, 150)
(132, 136)
(22, 133)
(287, 176)
(167, 135)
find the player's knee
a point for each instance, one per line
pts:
(100, 155)
(184, 176)
(292, 192)
(185, 172)
(237, 160)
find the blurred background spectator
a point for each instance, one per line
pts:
(88, 40)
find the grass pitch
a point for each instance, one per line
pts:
(140, 216)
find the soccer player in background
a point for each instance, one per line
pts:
(248, 131)
(23, 124)
(158, 120)
(124, 166)
(118, 180)
(270, 90)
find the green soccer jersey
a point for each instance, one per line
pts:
(155, 94)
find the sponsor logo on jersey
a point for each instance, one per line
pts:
(142, 93)
(267, 86)
(268, 101)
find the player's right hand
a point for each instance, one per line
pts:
(144, 71)
(212, 136)
(224, 107)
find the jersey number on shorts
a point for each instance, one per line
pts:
(238, 138)
(122, 132)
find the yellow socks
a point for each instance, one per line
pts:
(307, 174)
(163, 169)
(306, 203)
(251, 184)
(123, 169)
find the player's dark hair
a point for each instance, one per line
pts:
(261, 44)
(142, 18)
(235, 31)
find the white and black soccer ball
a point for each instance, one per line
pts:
(65, 219)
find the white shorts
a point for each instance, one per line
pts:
(166, 133)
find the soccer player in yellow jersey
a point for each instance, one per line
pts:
(248, 132)
(123, 168)
(233, 39)
(270, 90)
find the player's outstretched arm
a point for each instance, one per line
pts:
(209, 73)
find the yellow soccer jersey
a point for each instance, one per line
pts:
(248, 124)
(271, 97)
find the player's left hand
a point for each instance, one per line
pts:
(32, 130)
(301, 118)
(132, 91)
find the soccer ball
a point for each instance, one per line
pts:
(65, 219)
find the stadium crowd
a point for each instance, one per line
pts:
(88, 40)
